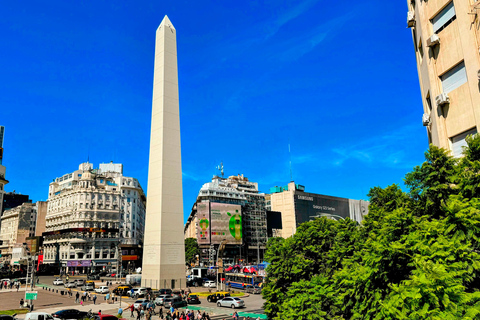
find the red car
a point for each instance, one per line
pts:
(113, 275)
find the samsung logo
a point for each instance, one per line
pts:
(305, 198)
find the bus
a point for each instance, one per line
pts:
(241, 280)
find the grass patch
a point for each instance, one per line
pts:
(13, 311)
(205, 294)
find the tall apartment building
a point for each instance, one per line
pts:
(18, 224)
(3, 181)
(91, 212)
(234, 190)
(446, 39)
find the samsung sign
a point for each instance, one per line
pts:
(308, 206)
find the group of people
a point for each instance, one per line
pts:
(84, 297)
(146, 313)
(6, 285)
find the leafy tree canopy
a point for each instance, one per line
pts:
(415, 256)
(191, 250)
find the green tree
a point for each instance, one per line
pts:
(191, 250)
(415, 256)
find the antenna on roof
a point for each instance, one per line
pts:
(220, 167)
(290, 154)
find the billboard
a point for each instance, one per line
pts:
(226, 223)
(203, 218)
(308, 206)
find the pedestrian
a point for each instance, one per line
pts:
(77, 297)
(94, 299)
(120, 312)
(131, 310)
(21, 303)
(235, 315)
(18, 286)
(99, 312)
(138, 313)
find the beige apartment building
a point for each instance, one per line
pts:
(446, 39)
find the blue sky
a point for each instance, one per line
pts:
(336, 80)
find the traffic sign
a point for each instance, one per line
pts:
(31, 295)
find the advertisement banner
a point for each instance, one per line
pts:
(79, 263)
(203, 216)
(226, 223)
(40, 261)
(309, 206)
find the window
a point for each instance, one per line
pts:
(444, 18)
(458, 142)
(454, 78)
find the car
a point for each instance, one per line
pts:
(217, 296)
(195, 282)
(8, 317)
(253, 289)
(58, 282)
(102, 274)
(160, 299)
(89, 286)
(80, 282)
(69, 314)
(70, 284)
(178, 303)
(209, 284)
(122, 290)
(36, 316)
(93, 276)
(231, 302)
(141, 302)
(167, 303)
(132, 292)
(102, 289)
(165, 291)
(193, 299)
(140, 292)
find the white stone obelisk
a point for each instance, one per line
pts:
(164, 249)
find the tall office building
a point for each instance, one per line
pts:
(209, 220)
(163, 255)
(446, 39)
(90, 213)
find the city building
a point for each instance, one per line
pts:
(163, 255)
(18, 224)
(446, 39)
(13, 199)
(297, 206)
(3, 181)
(215, 210)
(92, 216)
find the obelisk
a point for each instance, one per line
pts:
(164, 250)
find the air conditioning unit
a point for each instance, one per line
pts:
(433, 40)
(442, 99)
(426, 120)
(410, 19)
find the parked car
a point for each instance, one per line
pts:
(193, 299)
(231, 302)
(102, 289)
(36, 316)
(209, 284)
(253, 289)
(141, 302)
(159, 300)
(8, 317)
(93, 276)
(80, 282)
(178, 303)
(165, 291)
(217, 296)
(69, 314)
(89, 286)
(70, 284)
(58, 282)
(140, 292)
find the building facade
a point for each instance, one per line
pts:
(297, 206)
(91, 215)
(234, 191)
(18, 224)
(3, 181)
(446, 39)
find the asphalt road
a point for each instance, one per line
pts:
(253, 303)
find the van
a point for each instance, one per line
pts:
(38, 316)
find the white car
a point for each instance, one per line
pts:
(231, 302)
(210, 284)
(102, 289)
(38, 316)
(70, 285)
(141, 302)
(58, 282)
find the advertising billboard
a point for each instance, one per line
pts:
(308, 206)
(226, 223)
(203, 218)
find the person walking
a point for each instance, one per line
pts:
(120, 312)
(94, 299)
(77, 296)
(131, 310)
(21, 303)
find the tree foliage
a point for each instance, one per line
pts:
(191, 250)
(415, 256)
